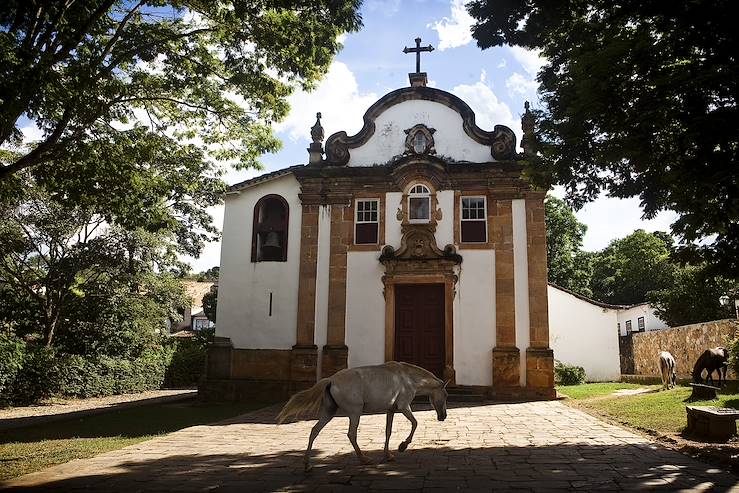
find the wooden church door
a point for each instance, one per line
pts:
(419, 326)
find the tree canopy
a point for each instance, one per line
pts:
(639, 99)
(693, 296)
(214, 73)
(628, 269)
(569, 266)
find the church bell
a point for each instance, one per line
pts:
(272, 240)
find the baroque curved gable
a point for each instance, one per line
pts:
(413, 106)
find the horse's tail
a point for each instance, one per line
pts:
(305, 402)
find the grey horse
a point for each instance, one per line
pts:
(388, 388)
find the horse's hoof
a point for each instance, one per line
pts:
(308, 468)
(389, 457)
(365, 460)
(402, 447)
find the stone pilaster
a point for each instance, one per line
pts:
(539, 358)
(307, 276)
(304, 356)
(536, 238)
(335, 351)
(506, 357)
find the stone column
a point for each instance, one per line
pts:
(506, 357)
(304, 356)
(335, 352)
(539, 357)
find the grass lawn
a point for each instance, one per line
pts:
(30, 449)
(589, 390)
(657, 410)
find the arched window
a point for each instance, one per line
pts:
(269, 234)
(419, 204)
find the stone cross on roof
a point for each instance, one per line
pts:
(417, 50)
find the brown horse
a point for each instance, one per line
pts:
(715, 359)
(368, 389)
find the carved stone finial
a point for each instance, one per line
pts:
(528, 142)
(316, 131)
(315, 150)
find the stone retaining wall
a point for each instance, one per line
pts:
(685, 343)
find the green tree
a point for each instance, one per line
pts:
(628, 269)
(72, 281)
(216, 72)
(569, 266)
(693, 297)
(639, 100)
(209, 275)
(210, 303)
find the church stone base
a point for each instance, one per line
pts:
(540, 372)
(257, 374)
(506, 372)
(334, 358)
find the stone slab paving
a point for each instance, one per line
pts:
(536, 446)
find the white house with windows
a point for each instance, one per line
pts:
(417, 239)
(585, 332)
(638, 318)
(193, 316)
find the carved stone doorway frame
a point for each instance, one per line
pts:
(420, 261)
(448, 279)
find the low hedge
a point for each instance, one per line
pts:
(565, 374)
(29, 373)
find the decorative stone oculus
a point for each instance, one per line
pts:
(419, 140)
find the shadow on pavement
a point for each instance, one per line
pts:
(563, 467)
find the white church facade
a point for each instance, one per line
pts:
(417, 239)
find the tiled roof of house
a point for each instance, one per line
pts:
(263, 178)
(594, 302)
(196, 290)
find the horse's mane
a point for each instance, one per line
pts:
(424, 376)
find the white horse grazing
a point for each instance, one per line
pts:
(389, 387)
(667, 369)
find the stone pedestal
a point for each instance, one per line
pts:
(303, 366)
(703, 392)
(506, 370)
(334, 358)
(218, 359)
(713, 423)
(540, 372)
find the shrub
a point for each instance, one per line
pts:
(30, 373)
(187, 365)
(566, 374)
(38, 378)
(12, 355)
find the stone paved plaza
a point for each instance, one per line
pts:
(537, 446)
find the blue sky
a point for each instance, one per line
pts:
(494, 82)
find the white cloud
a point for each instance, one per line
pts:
(337, 98)
(489, 109)
(530, 60)
(502, 63)
(387, 7)
(518, 84)
(31, 133)
(455, 31)
(610, 218)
